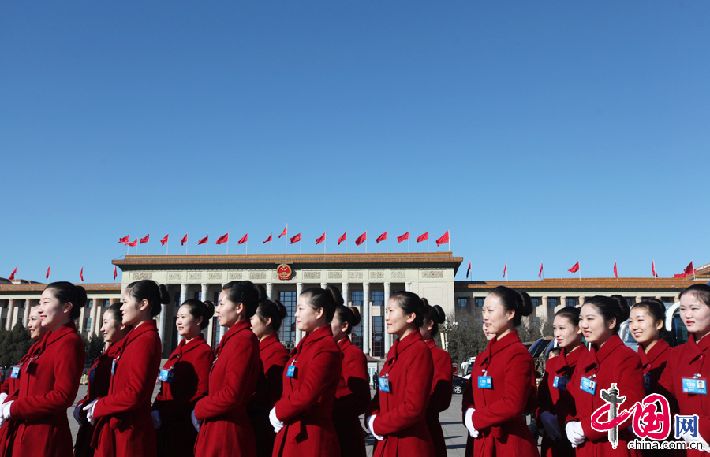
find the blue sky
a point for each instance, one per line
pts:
(535, 131)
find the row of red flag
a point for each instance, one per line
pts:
(443, 239)
(49, 272)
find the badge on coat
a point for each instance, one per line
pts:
(695, 385)
(166, 375)
(383, 382)
(114, 364)
(560, 382)
(588, 385)
(291, 371)
(485, 382)
(15, 373)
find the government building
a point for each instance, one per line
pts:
(365, 281)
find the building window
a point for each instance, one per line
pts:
(357, 301)
(630, 301)
(462, 302)
(572, 302)
(552, 303)
(378, 336)
(536, 301)
(287, 332)
(479, 301)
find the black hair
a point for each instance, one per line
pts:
(569, 312)
(435, 314)
(655, 308)
(115, 310)
(327, 299)
(198, 308)
(67, 292)
(701, 292)
(514, 300)
(157, 295)
(246, 293)
(614, 307)
(273, 310)
(410, 304)
(351, 315)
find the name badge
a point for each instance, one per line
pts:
(291, 371)
(485, 382)
(560, 382)
(696, 386)
(166, 375)
(383, 382)
(588, 385)
(114, 364)
(15, 373)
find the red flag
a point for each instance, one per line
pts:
(49, 270)
(133, 243)
(12, 275)
(115, 272)
(243, 239)
(145, 239)
(381, 238)
(541, 271)
(505, 271)
(320, 239)
(81, 274)
(689, 270)
(203, 240)
(223, 239)
(403, 237)
(296, 238)
(183, 240)
(361, 239)
(468, 270)
(423, 237)
(574, 268)
(124, 239)
(284, 232)
(443, 239)
(267, 240)
(616, 271)
(653, 269)
(342, 238)
(164, 240)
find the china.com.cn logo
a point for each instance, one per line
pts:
(650, 418)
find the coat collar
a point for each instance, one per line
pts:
(495, 346)
(187, 346)
(344, 343)
(402, 345)
(233, 330)
(697, 349)
(268, 341)
(313, 336)
(648, 358)
(569, 359)
(145, 327)
(430, 343)
(601, 354)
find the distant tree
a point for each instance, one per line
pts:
(13, 345)
(94, 346)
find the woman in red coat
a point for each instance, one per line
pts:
(353, 393)
(608, 361)
(502, 380)
(687, 366)
(224, 428)
(303, 416)
(99, 377)
(397, 415)
(122, 417)
(183, 381)
(554, 400)
(647, 321)
(37, 331)
(442, 384)
(48, 380)
(265, 324)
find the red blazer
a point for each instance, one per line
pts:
(558, 400)
(189, 365)
(306, 404)
(99, 375)
(440, 399)
(401, 413)
(48, 384)
(613, 362)
(499, 410)
(352, 397)
(273, 356)
(653, 365)
(123, 423)
(226, 429)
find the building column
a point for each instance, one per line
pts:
(582, 299)
(639, 298)
(543, 311)
(366, 318)
(10, 310)
(99, 316)
(346, 293)
(563, 303)
(299, 289)
(203, 297)
(387, 336)
(323, 285)
(269, 290)
(82, 313)
(26, 312)
(15, 312)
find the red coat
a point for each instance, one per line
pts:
(653, 364)
(351, 400)
(273, 356)
(613, 362)
(226, 429)
(99, 375)
(558, 400)
(401, 413)
(441, 391)
(306, 404)
(685, 361)
(499, 410)
(48, 384)
(189, 365)
(123, 423)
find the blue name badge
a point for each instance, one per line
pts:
(166, 375)
(485, 382)
(291, 371)
(114, 364)
(696, 386)
(383, 382)
(560, 382)
(589, 386)
(15, 373)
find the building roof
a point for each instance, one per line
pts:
(110, 287)
(584, 284)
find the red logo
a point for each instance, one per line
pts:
(284, 272)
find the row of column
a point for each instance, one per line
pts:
(13, 311)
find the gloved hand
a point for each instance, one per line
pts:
(90, 411)
(155, 416)
(195, 422)
(5, 410)
(575, 434)
(468, 422)
(3, 396)
(551, 425)
(371, 427)
(698, 439)
(275, 422)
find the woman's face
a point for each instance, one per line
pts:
(34, 324)
(496, 319)
(260, 326)
(307, 318)
(398, 322)
(338, 328)
(644, 327)
(227, 312)
(695, 315)
(111, 330)
(565, 332)
(426, 329)
(188, 326)
(594, 329)
(53, 313)
(132, 310)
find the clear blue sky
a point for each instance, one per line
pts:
(550, 131)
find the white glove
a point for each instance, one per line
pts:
(371, 426)
(3, 396)
(195, 422)
(468, 422)
(551, 425)
(5, 410)
(155, 416)
(90, 411)
(698, 439)
(575, 434)
(275, 422)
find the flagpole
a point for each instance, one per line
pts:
(449, 232)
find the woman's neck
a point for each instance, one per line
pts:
(407, 331)
(504, 333)
(265, 336)
(647, 347)
(59, 325)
